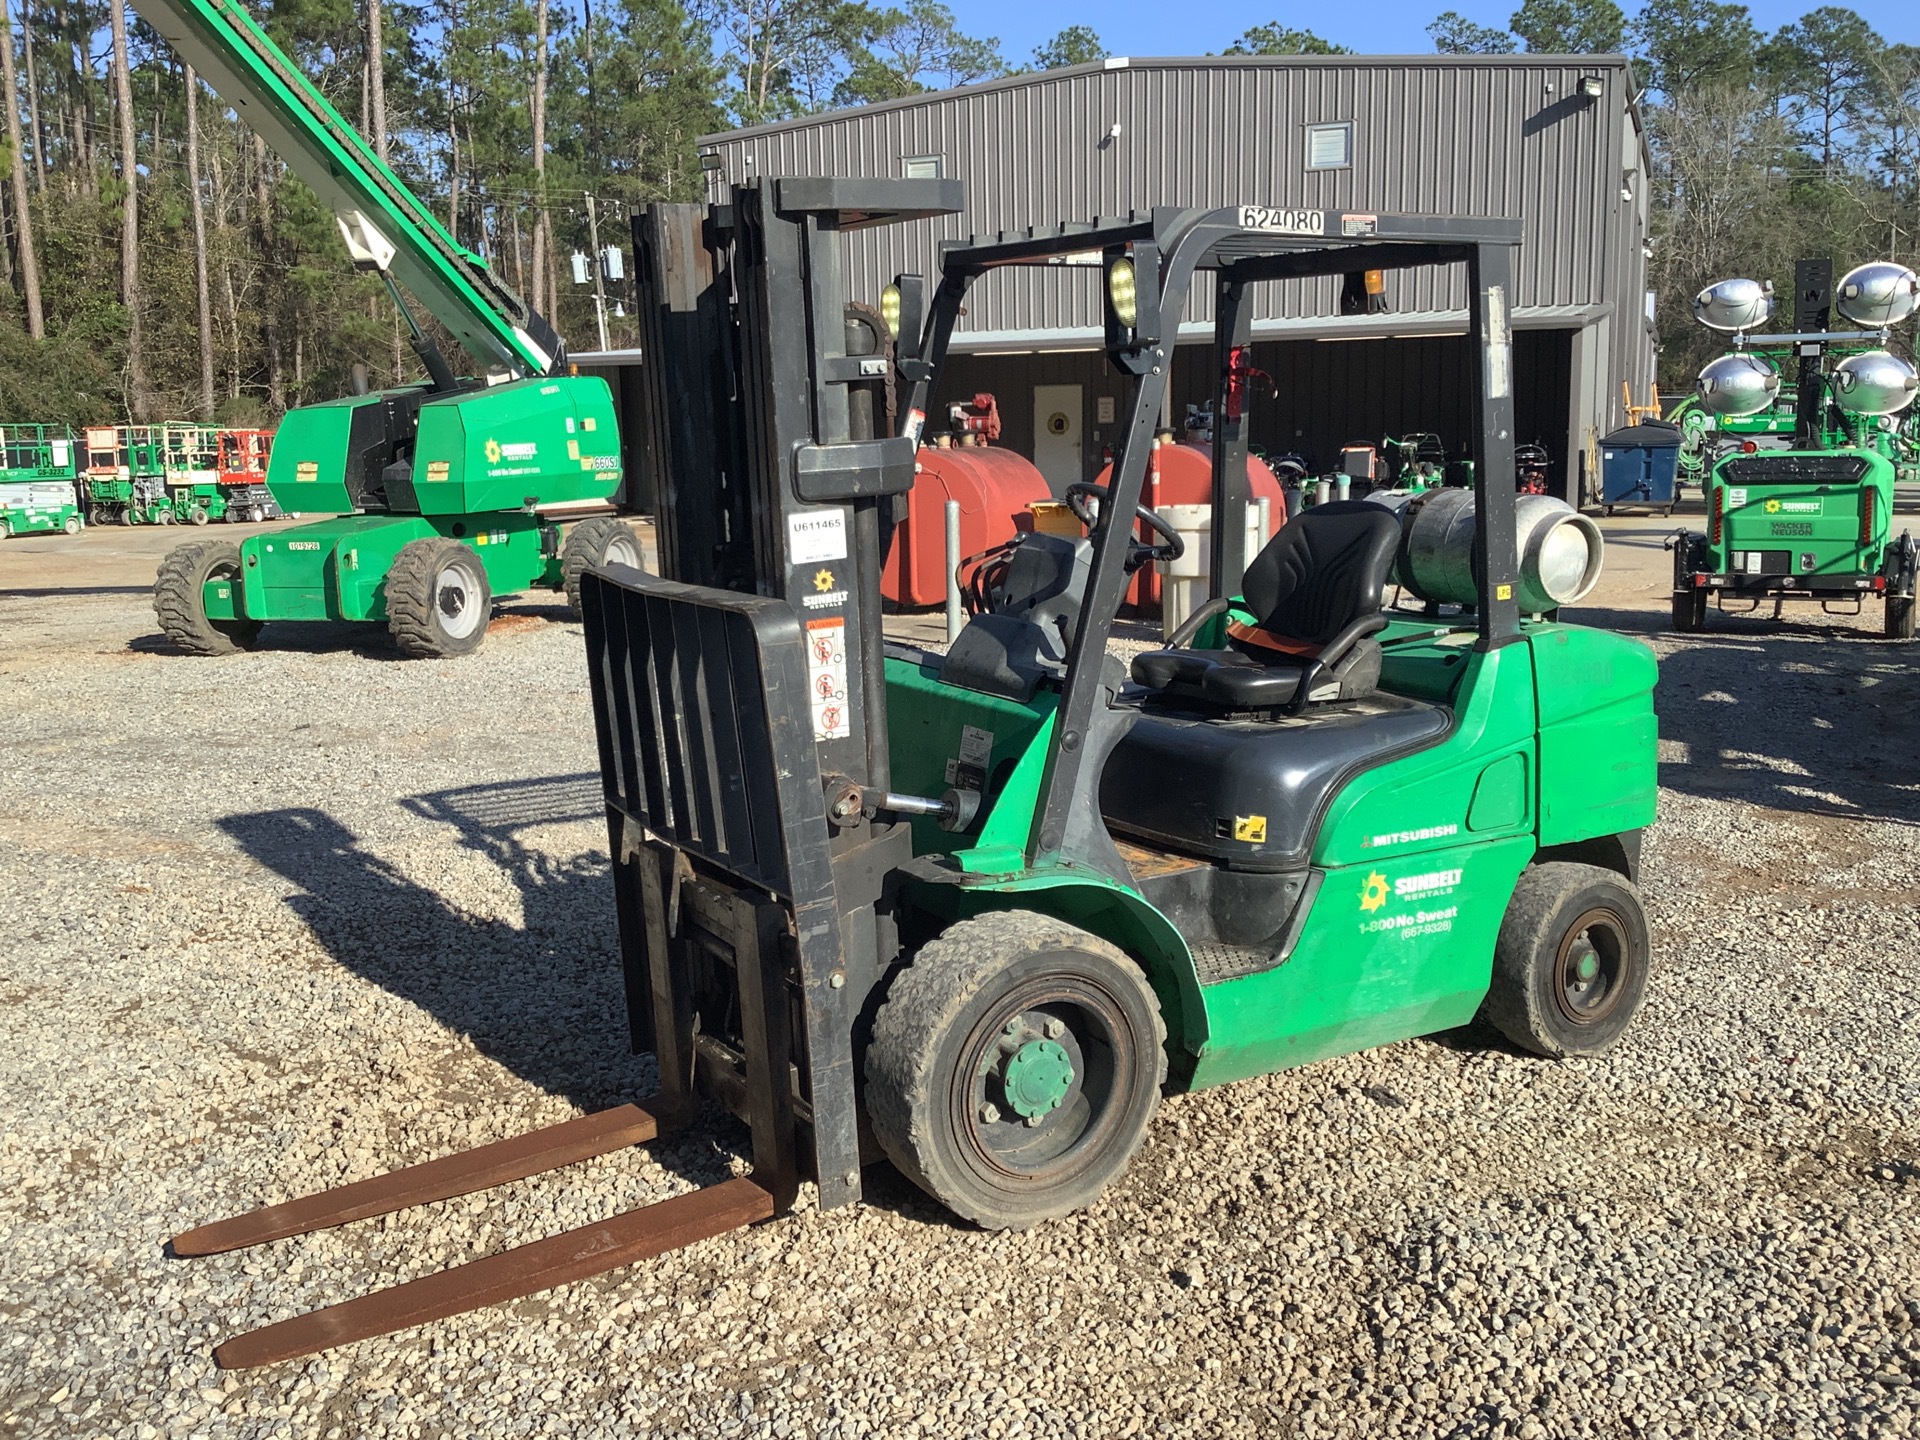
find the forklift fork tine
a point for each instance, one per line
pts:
(463, 1173)
(558, 1260)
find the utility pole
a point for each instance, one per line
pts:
(599, 284)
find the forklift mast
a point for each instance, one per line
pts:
(385, 224)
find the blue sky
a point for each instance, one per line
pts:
(1381, 27)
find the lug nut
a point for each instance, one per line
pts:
(989, 1113)
(1055, 1029)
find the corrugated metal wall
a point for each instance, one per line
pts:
(1458, 135)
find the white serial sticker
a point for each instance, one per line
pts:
(816, 535)
(1736, 496)
(976, 746)
(1283, 222)
(827, 678)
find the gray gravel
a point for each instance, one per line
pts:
(283, 921)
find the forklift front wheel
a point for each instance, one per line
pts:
(1014, 1068)
(1570, 966)
(438, 599)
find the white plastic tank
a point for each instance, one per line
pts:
(1184, 582)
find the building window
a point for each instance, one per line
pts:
(923, 167)
(1330, 147)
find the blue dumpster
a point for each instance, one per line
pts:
(1640, 465)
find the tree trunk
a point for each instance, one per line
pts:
(542, 230)
(22, 215)
(269, 316)
(201, 289)
(33, 101)
(129, 214)
(377, 79)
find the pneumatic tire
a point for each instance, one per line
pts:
(1014, 1068)
(1570, 966)
(179, 599)
(1899, 617)
(595, 542)
(438, 599)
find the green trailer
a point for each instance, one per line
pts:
(1799, 479)
(447, 490)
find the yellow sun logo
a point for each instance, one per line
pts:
(1374, 893)
(1773, 507)
(493, 452)
(823, 580)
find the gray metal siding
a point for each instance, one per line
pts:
(1439, 135)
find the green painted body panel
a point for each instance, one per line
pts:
(549, 441)
(37, 452)
(1553, 741)
(337, 569)
(1823, 521)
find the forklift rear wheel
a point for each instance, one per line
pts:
(179, 599)
(598, 541)
(1014, 1068)
(1899, 623)
(438, 599)
(1689, 610)
(1570, 966)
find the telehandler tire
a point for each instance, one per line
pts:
(599, 541)
(1014, 1068)
(179, 599)
(1899, 618)
(438, 599)
(1570, 965)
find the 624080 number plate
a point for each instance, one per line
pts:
(1283, 222)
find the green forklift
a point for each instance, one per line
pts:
(1800, 501)
(974, 913)
(445, 493)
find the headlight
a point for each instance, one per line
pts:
(1122, 293)
(890, 308)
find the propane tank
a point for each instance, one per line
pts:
(1875, 383)
(1734, 304)
(1559, 550)
(1878, 294)
(1738, 384)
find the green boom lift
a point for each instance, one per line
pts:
(440, 486)
(973, 913)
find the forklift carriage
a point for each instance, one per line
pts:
(973, 912)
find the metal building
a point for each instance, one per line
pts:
(1555, 140)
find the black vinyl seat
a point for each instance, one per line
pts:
(1318, 589)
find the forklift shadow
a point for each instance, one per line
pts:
(1808, 719)
(544, 997)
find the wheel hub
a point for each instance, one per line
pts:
(1036, 1077)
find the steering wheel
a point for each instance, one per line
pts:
(1171, 546)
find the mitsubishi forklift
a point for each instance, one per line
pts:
(973, 914)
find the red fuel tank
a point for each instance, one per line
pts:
(994, 488)
(1181, 473)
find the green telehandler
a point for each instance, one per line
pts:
(974, 913)
(442, 490)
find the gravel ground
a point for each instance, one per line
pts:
(284, 921)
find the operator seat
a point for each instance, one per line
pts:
(1317, 589)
